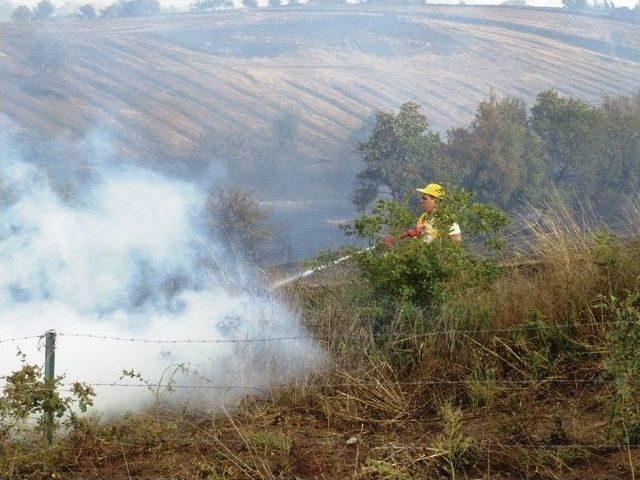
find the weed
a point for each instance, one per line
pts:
(482, 389)
(27, 394)
(453, 445)
(384, 470)
(165, 384)
(269, 441)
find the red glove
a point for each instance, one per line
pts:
(412, 232)
(388, 241)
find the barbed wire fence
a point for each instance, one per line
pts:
(434, 333)
(50, 340)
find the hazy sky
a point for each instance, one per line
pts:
(184, 4)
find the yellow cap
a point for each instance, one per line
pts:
(432, 189)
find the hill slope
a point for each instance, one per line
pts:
(157, 83)
(167, 91)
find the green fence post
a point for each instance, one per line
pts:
(49, 374)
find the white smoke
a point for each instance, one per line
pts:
(126, 258)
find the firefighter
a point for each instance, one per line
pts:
(424, 229)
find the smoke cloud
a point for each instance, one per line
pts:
(125, 256)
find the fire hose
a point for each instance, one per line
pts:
(299, 275)
(413, 233)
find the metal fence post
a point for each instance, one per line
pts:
(49, 374)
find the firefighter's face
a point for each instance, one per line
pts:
(428, 203)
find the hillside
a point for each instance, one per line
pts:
(182, 92)
(155, 84)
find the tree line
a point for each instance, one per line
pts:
(509, 154)
(45, 10)
(606, 8)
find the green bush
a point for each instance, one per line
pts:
(547, 348)
(408, 286)
(27, 393)
(413, 271)
(623, 365)
(419, 272)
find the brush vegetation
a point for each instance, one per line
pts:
(492, 369)
(510, 154)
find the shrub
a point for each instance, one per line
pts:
(87, 12)
(27, 393)
(623, 365)
(21, 14)
(414, 271)
(417, 271)
(240, 222)
(44, 10)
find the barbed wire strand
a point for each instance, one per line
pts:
(522, 327)
(186, 340)
(17, 339)
(568, 381)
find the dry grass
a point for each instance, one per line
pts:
(575, 261)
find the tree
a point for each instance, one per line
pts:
(43, 11)
(400, 154)
(567, 127)
(139, 8)
(238, 220)
(274, 3)
(285, 128)
(616, 173)
(112, 11)
(6, 9)
(575, 5)
(21, 14)
(87, 12)
(500, 158)
(131, 8)
(250, 3)
(204, 6)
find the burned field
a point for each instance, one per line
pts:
(158, 84)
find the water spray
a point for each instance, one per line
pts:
(307, 273)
